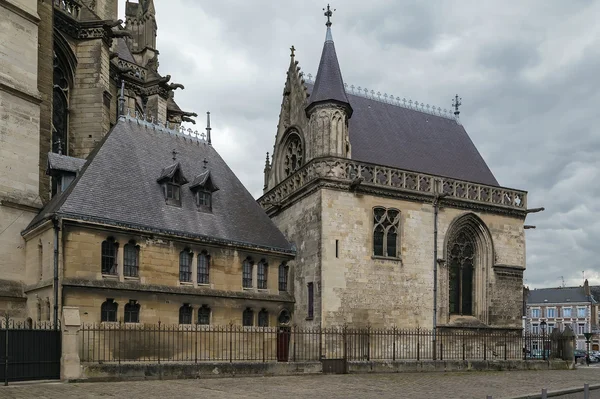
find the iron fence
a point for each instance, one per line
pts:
(116, 342)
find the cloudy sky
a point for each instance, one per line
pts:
(528, 73)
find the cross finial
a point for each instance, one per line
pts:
(292, 49)
(174, 152)
(328, 14)
(456, 102)
(204, 162)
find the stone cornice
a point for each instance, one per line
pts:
(82, 30)
(29, 15)
(33, 98)
(380, 180)
(175, 290)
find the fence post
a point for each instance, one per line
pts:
(320, 342)
(294, 337)
(505, 346)
(6, 320)
(544, 393)
(263, 344)
(196, 344)
(159, 342)
(230, 342)
(394, 345)
(70, 363)
(368, 343)
(586, 391)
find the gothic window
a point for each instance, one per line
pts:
(131, 255)
(132, 312)
(203, 267)
(109, 256)
(185, 266)
(185, 314)
(261, 274)
(263, 318)
(284, 317)
(294, 155)
(60, 107)
(386, 225)
(461, 254)
(204, 315)
(108, 311)
(283, 277)
(247, 273)
(248, 317)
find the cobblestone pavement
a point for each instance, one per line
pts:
(384, 386)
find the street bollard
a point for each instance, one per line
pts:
(586, 391)
(544, 393)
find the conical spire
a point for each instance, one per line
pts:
(329, 85)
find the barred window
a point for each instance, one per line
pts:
(108, 310)
(283, 277)
(247, 273)
(132, 312)
(263, 318)
(248, 317)
(203, 267)
(261, 274)
(461, 256)
(311, 300)
(204, 315)
(131, 253)
(386, 225)
(185, 266)
(185, 314)
(109, 256)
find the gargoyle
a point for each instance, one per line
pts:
(164, 79)
(186, 119)
(193, 114)
(121, 33)
(175, 86)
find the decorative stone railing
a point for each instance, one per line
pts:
(133, 69)
(70, 7)
(353, 172)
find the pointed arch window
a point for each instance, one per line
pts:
(109, 256)
(60, 106)
(185, 266)
(185, 314)
(132, 312)
(293, 155)
(263, 318)
(203, 267)
(248, 317)
(108, 311)
(131, 257)
(204, 315)
(386, 225)
(261, 274)
(247, 273)
(283, 277)
(461, 270)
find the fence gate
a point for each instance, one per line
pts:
(29, 351)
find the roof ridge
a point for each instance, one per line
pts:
(178, 130)
(396, 101)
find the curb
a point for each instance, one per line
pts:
(557, 393)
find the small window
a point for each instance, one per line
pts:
(203, 198)
(185, 266)
(109, 256)
(283, 277)
(261, 274)
(131, 253)
(204, 315)
(386, 224)
(263, 318)
(248, 318)
(550, 328)
(185, 314)
(108, 311)
(535, 313)
(247, 273)
(311, 300)
(203, 268)
(581, 312)
(535, 328)
(551, 312)
(173, 191)
(567, 312)
(132, 312)
(581, 328)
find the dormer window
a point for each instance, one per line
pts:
(171, 179)
(203, 187)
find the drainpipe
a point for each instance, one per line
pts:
(436, 206)
(56, 230)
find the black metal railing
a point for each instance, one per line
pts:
(116, 342)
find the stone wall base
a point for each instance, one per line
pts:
(456, 365)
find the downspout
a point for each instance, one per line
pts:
(56, 230)
(436, 206)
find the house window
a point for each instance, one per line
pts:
(461, 254)
(203, 198)
(185, 266)
(567, 312)
(569, 325)
(204, 315)
(535, 313)
(108, 311)
(173, 191)
(581, 312)
(247, 273)
(203, 267)
(262, 275)
(248, 318)
(550, 328)
(551, 312)
(386, 224)
(311, 301)
(185, 314)
(283, 277)
(109, 256)
(535, 328)
(131, 253)
(263, 318)
(132, 312)
(580, 328)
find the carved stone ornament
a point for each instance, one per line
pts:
(294, 155)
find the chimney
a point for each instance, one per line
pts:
(586, 288)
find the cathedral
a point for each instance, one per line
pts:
(376, 211)
(396, 218)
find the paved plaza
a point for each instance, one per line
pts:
(380, 386)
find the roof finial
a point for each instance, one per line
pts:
(267, 163)
(456, 102)
(58, 143)
(292, 49)
(204, 162)
(122, 99)
(328, 14)
(208, 129)
(174, 152)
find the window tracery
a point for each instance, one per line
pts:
(386, 225)
(461, 255)
(294, 155)
(60, 107)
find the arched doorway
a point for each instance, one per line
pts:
(283, 335)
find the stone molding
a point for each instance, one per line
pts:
(383, 180)
(33, 98)
(82, 30)
(27, 14)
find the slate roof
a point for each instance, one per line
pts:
(63, 163)
(557, 295)
(329, 85)
(123, 51)
(118, 186)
